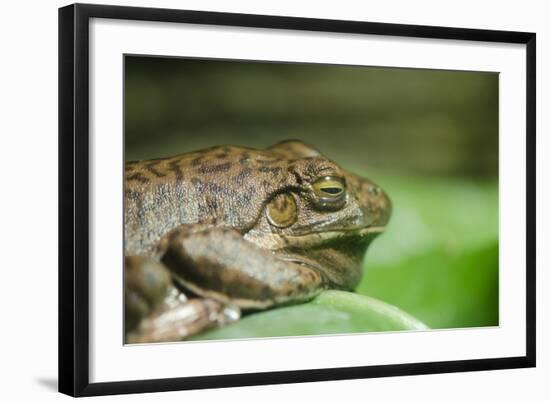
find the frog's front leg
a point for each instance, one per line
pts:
(218, 263)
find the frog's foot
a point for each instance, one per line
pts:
(180, 318)
(219, 264)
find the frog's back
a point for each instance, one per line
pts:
(227, 184)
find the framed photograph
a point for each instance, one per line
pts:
(252, 199)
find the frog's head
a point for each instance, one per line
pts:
(324, 216)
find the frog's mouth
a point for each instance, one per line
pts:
(316, 238)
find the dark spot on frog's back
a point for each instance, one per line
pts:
(153, 170)
(174, 166)
(215, 168)
(273, 170)
(137, 177)
(197, 161)
(211, 187)
(129, 167)
(243, 174)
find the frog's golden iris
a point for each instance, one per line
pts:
(330, 193)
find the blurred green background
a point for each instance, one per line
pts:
(428, 137)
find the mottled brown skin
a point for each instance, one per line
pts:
(240, 228)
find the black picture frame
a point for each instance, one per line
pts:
(74, 198)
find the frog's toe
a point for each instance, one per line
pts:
(229, 314)
(182, 320)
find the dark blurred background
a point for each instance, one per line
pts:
(429, 138)
(425, 121)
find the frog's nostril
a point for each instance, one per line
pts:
(374, 190)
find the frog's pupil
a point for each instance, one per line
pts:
(331, 190)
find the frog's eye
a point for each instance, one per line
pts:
(329, 188)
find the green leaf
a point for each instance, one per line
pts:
(438, 258)
(443, 288)
(331, 312)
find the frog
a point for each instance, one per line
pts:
(213, 234)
